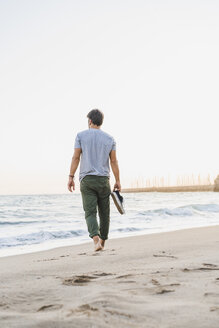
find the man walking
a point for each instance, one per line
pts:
(95, 149)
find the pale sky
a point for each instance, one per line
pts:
(151, 66)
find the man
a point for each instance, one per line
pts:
(95, 149)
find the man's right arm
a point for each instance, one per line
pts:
(74, 165)
(115, 169)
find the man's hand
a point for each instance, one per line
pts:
(117, 186)
(71, 184)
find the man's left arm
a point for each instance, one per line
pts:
(74, 165)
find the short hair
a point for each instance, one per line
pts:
(96, 116)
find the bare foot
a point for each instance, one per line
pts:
(97, 245)
(102, 242)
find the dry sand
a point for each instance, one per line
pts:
(168, 279)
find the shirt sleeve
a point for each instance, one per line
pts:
(77, 142)
(114, 145)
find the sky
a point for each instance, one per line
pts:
(151, 66)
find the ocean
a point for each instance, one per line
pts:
(30, 223)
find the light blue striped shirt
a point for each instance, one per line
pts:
(96, 146)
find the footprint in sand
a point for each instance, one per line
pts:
(148, 290)
(83, 309)
(52, 259)
(102, 274)
(214, 308)
(210, 265)
(155, 282)
(119, 314)
(163, 291)
(4, 305)
(127, 282)
(50, 307)
(163, 273)
(93, 254)
(124, 276)
(87, 309)
(205, 268)
(160, 289)
(161, 255)
(106, 251)
(77, 280)
(97, 253)
(83, 279)
(211, 294)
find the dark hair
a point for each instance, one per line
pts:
(96, 116)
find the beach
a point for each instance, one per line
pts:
(168, 279)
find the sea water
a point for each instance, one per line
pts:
(30, 223)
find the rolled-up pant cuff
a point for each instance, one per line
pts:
(93, 235)
(103, 238)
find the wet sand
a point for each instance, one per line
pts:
(165, 280)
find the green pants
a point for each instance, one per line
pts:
(95, 191)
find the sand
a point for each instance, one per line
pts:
(168, 279)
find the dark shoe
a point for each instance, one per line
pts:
(118, 200)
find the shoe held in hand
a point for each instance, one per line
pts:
(118, 201)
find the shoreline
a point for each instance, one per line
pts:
(165, 279)
(72, 244)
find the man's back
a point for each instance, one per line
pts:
(96, 146)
